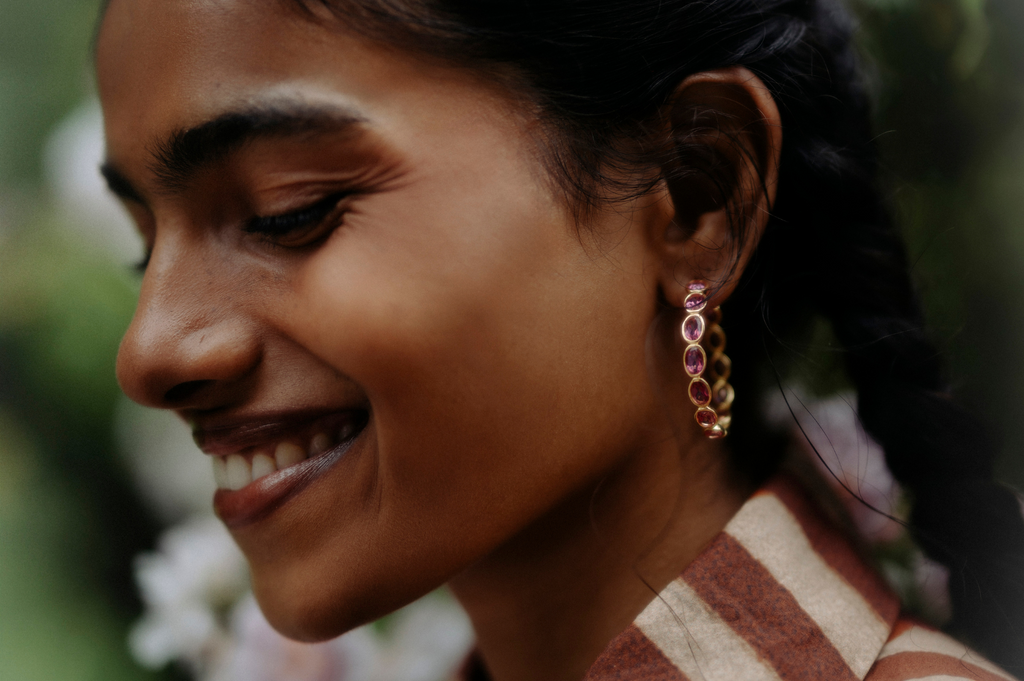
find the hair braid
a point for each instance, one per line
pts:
(937, 450)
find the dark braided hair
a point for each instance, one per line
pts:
(598, 71)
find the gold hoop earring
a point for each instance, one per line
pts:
(713, 401)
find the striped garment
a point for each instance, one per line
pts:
(780, 593)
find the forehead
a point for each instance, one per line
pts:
(186, 56)
(167, 65)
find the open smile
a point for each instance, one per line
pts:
(258, 465)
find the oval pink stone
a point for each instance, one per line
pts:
(695, 302)
(700, 392)
(715, 432)
(706, 418)
(694, 360)
(724, 394)
(697, 285)
(693, 328)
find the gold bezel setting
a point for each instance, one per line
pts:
(714, 401)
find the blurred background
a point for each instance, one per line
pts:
(88, 482)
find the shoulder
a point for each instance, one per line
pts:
(918, 652)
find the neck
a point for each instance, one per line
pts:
(547, 603)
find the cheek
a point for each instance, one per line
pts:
(504, 366)
(496, 363)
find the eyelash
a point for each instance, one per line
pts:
(276, 226)
(280, 225)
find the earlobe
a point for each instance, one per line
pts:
(720, 175)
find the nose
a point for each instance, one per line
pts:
(188, 346)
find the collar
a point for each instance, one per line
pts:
(781, 592)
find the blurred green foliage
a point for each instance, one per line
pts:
(70, 521)
(949, 77)
(44, 58)
(55, 624)
(950, 93)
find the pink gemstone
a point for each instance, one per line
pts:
(697, 285)
(695, 302)
(706, 418)
(694, 360)
(700, 392)
(715, 433)
(693, 328)
(724, 394)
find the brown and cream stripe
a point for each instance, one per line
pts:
(781, 594)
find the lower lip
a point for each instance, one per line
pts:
(262, 497)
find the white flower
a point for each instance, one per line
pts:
(197, 573)
(429, 641)
(831, 436)
(199, 612)
(72, 158)
(258, 653)
(173, 475)
(932, 581)
(189, 633)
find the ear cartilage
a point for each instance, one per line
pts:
(704, 358)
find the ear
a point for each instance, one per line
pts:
(720, 176)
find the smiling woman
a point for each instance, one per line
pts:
(421, 278)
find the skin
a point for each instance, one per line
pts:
(516, 446)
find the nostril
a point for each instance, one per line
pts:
(183, 391)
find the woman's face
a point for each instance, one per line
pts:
(358, 253)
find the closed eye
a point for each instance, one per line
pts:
(273, 226)
(295, 229)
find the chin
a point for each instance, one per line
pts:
(305, 615)
(311, 611)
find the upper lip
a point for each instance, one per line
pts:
(225, 435)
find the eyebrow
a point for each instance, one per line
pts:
(178, 158)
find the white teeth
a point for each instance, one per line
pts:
(262, 465)
(236, 471)
(239, 473)
(321, 442)
(220, 472)
(288, 454)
